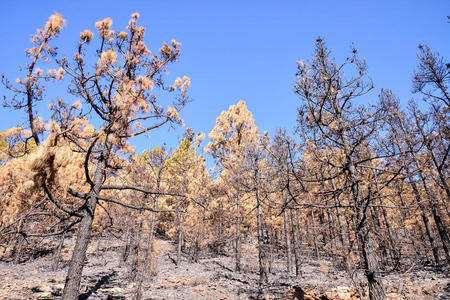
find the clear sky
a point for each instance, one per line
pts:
(247, 50)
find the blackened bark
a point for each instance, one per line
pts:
(342, 237)
(433, 206)
(57, 255)
(134, 257)
(314, 234)
(128, 237)
(238, 234)
(287, 235)
(437, 219)
(438, 166)
(147, 254)
(18, 246)
(426, 222)
(73, 278)
(395, 252)
(263, 277)
(377, 228)
(180, 238)
(295, 242)
(376, 288)
(331, 226)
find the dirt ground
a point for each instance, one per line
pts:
(104, 277)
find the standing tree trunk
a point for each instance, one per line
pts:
(18, 244)
(330, 219)
(147, 254)
(344, 241)
(134, 258)
(18, 247)
(394, 249)
(73, 279)
(379, 236)
(438, 166)
(287, 234)
(263, 278)
(180, 238)
(128, 238)
(238, 234)
(295, 242)
(433, 205)
(437, 218)
(426, 222)
(376, 288)
(57, 255)
(314, 234)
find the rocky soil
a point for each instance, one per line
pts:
(105, 277)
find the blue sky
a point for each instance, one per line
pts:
(247, 50)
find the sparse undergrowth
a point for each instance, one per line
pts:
(105, 277)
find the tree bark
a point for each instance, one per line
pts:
(73, 278)
(128, 237)
(314, 234)
(147, 254)
(287, 235)
(395, 253)
(437, 219)
(295, 242)
(376, 288)
(344, 241)
(433, 206)
(379, 237)
(180, 238)
(133, 263)
(331, 226)
(426, 222)
(57, 255)
(18, 245)
(238, 234)
(263, 277)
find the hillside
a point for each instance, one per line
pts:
(105, 277)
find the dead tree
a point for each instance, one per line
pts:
(328, 110)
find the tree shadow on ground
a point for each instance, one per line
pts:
(104, 280)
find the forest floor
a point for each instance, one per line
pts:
(105, 277)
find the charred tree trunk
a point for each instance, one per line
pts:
(18, 247)
(342, 237)
(18, 244)
(438, 166)
(73, 279)
(57, 255)
(433, 206)
(133, 263)
(331, 225)
(376, 288)
(395, 254)
(323, 230)
(437, 218)
(262, 257)
(128, 237)
(180, 238)
(238, 234)
(314, 234)
(287, 235)
(295, 242)
(147, 254)
(220, 239)
(379, 234)
(426, 222)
